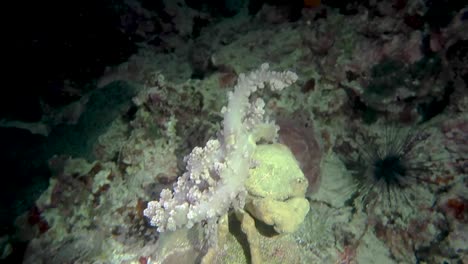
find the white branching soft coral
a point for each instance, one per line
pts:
(215, 174)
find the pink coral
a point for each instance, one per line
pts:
(300, 138)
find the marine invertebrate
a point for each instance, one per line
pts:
(216, 174)
(298, 134)
(387, 165)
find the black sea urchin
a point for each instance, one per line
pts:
(387, 166)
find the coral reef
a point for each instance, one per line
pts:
(251, 190)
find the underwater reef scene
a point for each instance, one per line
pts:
(259, 131)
